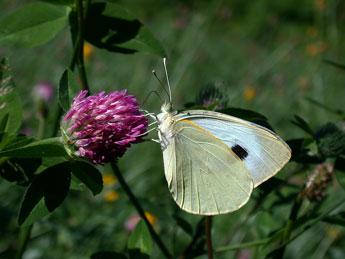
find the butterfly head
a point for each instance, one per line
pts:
(167, 107)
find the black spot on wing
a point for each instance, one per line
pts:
(240, 151)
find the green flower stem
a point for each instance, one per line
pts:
(71, 66)
(197, 235)
(208, 228)
(140, 210)
(41, 126)
(290, 223)
(24, 236)
(80, 44)
(241, 246)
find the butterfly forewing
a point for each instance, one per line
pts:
(261, 150)
(204, 175)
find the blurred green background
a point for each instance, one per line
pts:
(267, 55)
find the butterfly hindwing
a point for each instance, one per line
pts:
(261, 150)
(204, 175)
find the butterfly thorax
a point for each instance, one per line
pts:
(166, 121)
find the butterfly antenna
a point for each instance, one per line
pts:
(160, 82)
(166, 74)
(147, 97)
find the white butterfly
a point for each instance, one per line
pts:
(212, 161)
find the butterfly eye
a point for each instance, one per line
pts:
(167, 107)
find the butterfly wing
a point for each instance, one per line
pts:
(204, 176)
(262, 151)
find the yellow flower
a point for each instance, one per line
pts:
(320, 5)
(111, 196)
(249, 93)
(333, 233)
(109, 179)
(302, 82)
(87, 50)
(312, 50)
(316, 48)
(312, 31)
(151, 218)
(323, 46)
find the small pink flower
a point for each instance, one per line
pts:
(131, 222)
(44, 91)
(101, 127)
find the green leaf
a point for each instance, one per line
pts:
(335, 64)
(301, 123)
(89, 175)
(114, 28)
(20, 170)
(39, 211)
(336, 220)
(76, 184)
(60, 2)
(49, 162)
(18, 141)
(339, 170)
(68, 89)
(108, 255)
(42, 148)
(139, 242)
(52, 185)
(32, 25)
(325, 107)
(4, 138)
(330, 139)
(4, 123)
(9, 99)
(301, 153)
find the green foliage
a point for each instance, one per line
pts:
(108, 255)
(301, 123)
(114, 28)
(11, 110)
(88, 175)
(52, 185)
(32, 25)
(20, 170)
(339, 168)
(140, 243)
(68, 89)
(43, 148)
(331, 140)
(60, 2)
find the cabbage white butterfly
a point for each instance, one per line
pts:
(212, 161)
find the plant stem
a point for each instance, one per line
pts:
(140, 210)
(198, 233)
(290, 223)
(24, 236)
(71, 66)
(80, 44)
(208, 226)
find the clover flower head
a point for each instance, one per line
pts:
(213, 94)
(101, 127)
